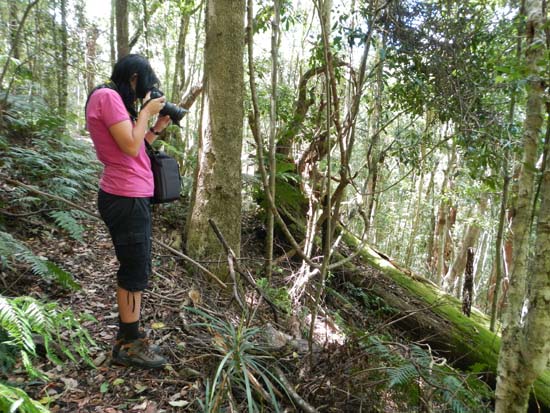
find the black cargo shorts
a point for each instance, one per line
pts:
(129, 223)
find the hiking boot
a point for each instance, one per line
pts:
(116, 348)
(138, 353)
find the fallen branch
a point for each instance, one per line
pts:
(302, 404)
(96, 216)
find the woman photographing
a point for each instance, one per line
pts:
(118, 132)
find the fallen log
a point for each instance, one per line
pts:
(463, 341)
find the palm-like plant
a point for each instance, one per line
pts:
(243, 365)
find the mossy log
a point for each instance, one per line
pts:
(435, 317)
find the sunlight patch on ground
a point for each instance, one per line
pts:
(326, 331)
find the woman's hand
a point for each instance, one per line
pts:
(161, 123)
(153, 106)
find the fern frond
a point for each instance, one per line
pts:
(402, 375)
(62, 277)
(17, 328)
(10, 247)
(13, 400)
(66, 221)
(22, 317)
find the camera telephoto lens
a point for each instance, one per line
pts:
(175, 112)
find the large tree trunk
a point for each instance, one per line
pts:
(217, 190)
(429, 315)
(516, 368)
(536, 345)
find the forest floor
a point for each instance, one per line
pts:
(333, 382)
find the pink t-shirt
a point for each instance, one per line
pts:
(122, 174)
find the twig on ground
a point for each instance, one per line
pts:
(235, 284)
(248, 278)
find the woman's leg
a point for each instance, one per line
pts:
(129, 311)
(129, 305)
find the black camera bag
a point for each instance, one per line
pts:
(166, 175)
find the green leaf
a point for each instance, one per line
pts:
(104, 388)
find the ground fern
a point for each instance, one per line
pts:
(14, 400)
(22, 318)
(13, 249)
(419, 378)
(67, 221)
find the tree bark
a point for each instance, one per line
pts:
(217, 187)
(112, 30)
(468, 289)
(121, 13)
(179, 70)
(273, 132)
(92, 34)
(373, 153)
(516, 370)
(500, 243)
(13, 25)
(536, 346)
(494, 289)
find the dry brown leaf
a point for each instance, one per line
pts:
(195, 296)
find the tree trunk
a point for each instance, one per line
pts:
(13, 26)
(494, 288)
(373, 153)
(452, 279)
(64, 65)
(179, 69)
(419, 201)
(536, 346)
(468, 289)
(516, 370)
(217, 187)
(430, 259)
(443, 223)
(15, 39)
(500, 244)
(121, 13)
(275, 30)
(112, 30)
(92, 34)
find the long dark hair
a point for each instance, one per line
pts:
(123, 71)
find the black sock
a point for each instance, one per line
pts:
(128, 331)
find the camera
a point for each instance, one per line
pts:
(175, 112)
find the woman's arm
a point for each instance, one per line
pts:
(130, 138)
